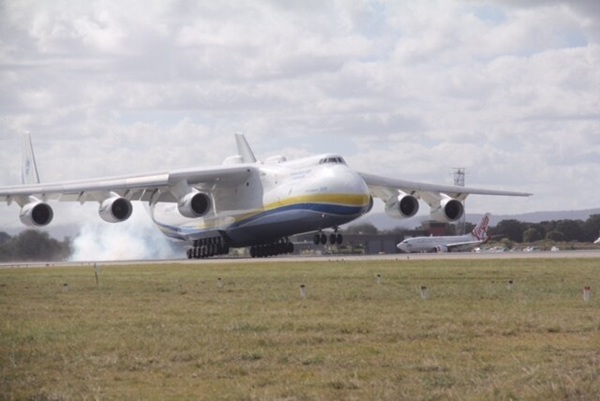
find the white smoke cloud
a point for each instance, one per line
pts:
(134, 239)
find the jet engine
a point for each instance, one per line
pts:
(194, 204)
(402, 206)
(441, 248)
(115, 209)
(36, 214)
(449, 210)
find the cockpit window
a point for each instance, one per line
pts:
(336, 160)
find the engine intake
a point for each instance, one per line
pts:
(36, 214)
(115, 209)
(449, 210)
(194, 204)
(402, 207)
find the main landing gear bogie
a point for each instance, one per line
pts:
(280, 247)
(207, 247)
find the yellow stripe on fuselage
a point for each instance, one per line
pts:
(332, 199)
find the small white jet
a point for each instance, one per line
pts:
(243, 202)
(448, 243)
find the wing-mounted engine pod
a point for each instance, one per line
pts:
(195, 204)
(115, 209)
(450, 210)
(402, 207)
(36, 214)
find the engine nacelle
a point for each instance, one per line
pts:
(441, 248)
(449, 210)
(115, 209)
(194, 204)
(402, 207)
(36, 214)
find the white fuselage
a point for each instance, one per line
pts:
(431, 244)
(277, 200)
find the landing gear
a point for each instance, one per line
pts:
(320, 238)
(207, 247)
(280, 247)
(334, 238)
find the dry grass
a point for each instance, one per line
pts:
(170, 332)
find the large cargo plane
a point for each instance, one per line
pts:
(243, 202)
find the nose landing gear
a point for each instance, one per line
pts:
(334, 238)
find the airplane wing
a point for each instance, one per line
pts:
(385, 185)
(458, 245)
(445, 201)
(168, 186)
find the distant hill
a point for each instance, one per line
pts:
(384, 222)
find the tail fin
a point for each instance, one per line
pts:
(480, 230)
(29, 171)
(244, 149)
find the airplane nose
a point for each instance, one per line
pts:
(356, 185)
(403, 247)
(346, 181)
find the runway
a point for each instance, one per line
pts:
(587, 254)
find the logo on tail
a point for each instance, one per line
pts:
(480, 231)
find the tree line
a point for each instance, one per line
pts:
(518, 231)
(33, 245)
(554, 230)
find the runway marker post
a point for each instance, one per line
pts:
(424, 292)
(587, 293)
(96, 270)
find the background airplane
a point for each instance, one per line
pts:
(448, 243)
(242, 202)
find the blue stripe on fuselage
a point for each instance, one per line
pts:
(280, 222)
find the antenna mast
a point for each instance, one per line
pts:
(459, 180)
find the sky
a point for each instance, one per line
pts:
(508, 90)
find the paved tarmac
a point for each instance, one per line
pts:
(323, 258)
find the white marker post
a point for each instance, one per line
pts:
(302, 291)
(219, 282)
(379, 279)
(509, 285)
(424, 292)
(587, 293)
(96, 270)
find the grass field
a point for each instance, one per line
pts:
(155, 332)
